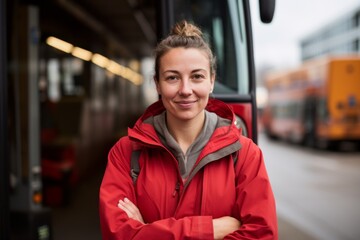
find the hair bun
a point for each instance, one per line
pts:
(185, 29)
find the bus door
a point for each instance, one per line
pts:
(309, 120)
(227, 27)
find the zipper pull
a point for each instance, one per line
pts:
(177, 188)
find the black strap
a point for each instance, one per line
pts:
(135, 167)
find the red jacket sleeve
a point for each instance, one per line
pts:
(115, 224)
(255, 203)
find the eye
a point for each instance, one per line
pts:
(198, 76)
(171, 77)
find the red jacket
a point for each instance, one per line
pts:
(176, 210)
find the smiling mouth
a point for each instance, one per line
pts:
(185, 104)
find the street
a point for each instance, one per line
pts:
(316, 191)
(317, 195)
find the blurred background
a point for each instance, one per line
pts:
(76, 74)
(308, 75)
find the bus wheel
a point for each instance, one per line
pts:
(327, 144)
(270, 135)
(309, 140)
(321, 144)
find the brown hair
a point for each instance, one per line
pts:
(183, 35)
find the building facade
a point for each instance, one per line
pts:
(339, 37)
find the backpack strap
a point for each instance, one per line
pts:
(134, 164)
(135, 167)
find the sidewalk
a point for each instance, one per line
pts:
(287, 231)
(80, 219)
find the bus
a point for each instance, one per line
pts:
(62, 105)
(227, 25)
(316, 104)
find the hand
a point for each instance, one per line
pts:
(224, 226)
(131, 209)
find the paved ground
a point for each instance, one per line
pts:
(80, 219)
(316, 191)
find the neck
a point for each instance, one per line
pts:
(185, 132)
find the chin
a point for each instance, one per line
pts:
(187, 116)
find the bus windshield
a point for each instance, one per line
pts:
(223, 25)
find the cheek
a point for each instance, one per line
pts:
(167, 91)
(203, 91)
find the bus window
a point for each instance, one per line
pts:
(221, 23)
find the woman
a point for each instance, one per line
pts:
(199, 178)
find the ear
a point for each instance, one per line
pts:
(157, 85)
(212, 81)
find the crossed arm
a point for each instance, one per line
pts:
(255, 205)
(222, 226)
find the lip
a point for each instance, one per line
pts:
(185, 104)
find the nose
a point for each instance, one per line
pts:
(185, 88)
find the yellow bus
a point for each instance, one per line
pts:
(317, 104)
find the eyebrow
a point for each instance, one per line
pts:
(193, 71)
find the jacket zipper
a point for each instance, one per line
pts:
(176, 190)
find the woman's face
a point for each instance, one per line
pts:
(185, 83)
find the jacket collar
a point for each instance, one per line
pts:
(144, 132)
(214, 105)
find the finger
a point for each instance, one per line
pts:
(130, 208)
(130, 203)
(123, 207)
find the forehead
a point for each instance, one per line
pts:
(179, 58)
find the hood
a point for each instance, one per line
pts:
(143, 131)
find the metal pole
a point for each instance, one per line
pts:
(4, 161)
(252, 71)
(165, 17)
